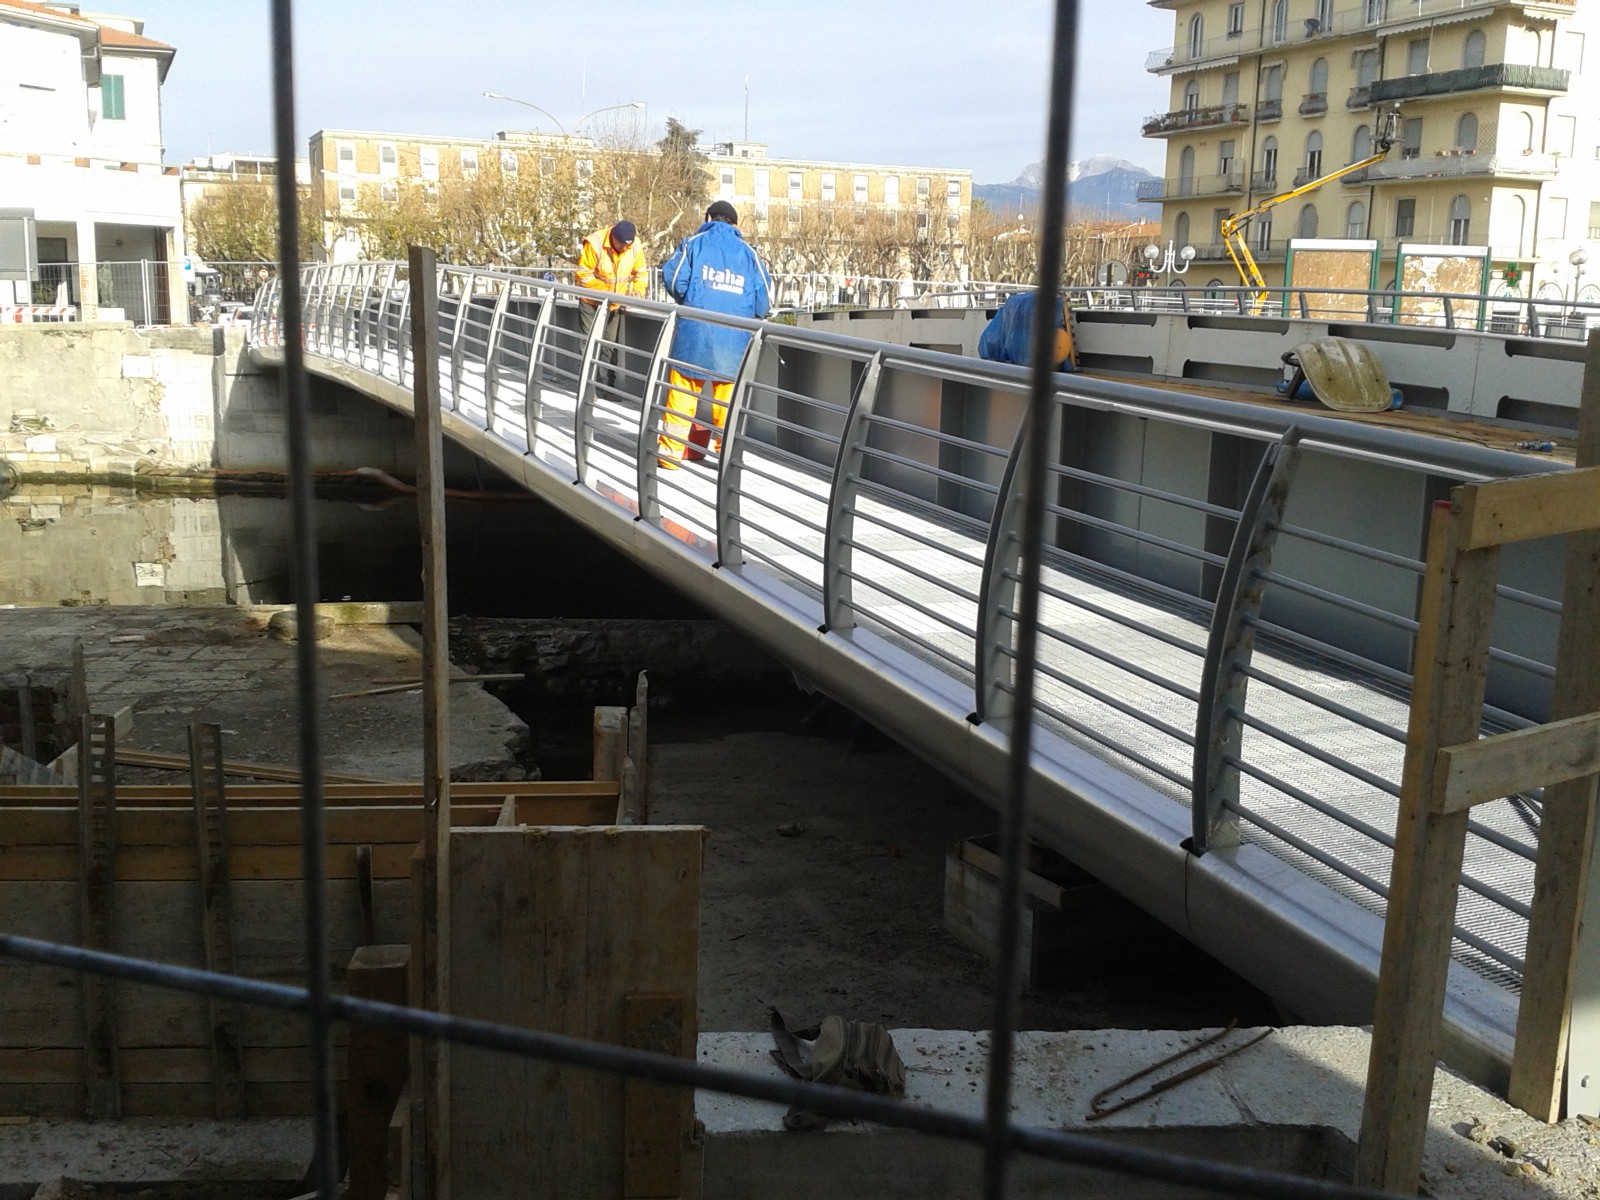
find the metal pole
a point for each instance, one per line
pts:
(312, 819)
(1014, 829)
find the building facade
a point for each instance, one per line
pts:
(793, 209)
(1496, 142)
(81, 158)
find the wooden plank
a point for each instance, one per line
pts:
(243, 795)
(652, 1117)
(609, 740)
(1530, 506)
(178, 762)
(1495, 767)
(186, 1100)
(97, 864)
(377, 1069)
(186, 1065)
(552, 929)
(638, 794)
(167, 863)
(411, 685)
(1448, 676)
(1562, 874)
(37, 829)
(216, 913)
(434, 1084)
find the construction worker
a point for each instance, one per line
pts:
(1008, 335)
(610, 262)
(713, 269)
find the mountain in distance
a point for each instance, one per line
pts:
(1103, 189)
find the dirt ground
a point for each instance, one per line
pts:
(824, 893)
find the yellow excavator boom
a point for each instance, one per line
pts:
(1233, 227)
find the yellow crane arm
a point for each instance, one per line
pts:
(1233, 226)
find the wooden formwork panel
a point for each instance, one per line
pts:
(591, 933)
(163, 1036)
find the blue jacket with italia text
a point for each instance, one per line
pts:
(715, 270)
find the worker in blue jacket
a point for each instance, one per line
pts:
(1008, 334)
(714, 269)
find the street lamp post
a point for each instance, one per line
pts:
(1153, 253)
(1577, 258)
(528, 104)
(639, 104)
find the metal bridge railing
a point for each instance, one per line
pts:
(1251, 667)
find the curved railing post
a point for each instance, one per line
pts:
(995, 663)
(491, 347)
(649, 420)
(1218, 734)
(730, 462)
(533, 383)
(463, 303)
(383, 280)
(838, 601)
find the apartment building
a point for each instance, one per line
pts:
(1496, 143)
(81, 167)
(780, 200)
(782, 196)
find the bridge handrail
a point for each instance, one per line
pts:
(895, 539)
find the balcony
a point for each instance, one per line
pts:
(1458, 164)
(1514, 76)
(1216, 51)
(1360, 96)
(1186, 119)
(1264, 181)
(1269, 110)
(1313, 103)
(1183, 188)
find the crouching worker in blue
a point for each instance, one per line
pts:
(1007, 336)
(715, 270)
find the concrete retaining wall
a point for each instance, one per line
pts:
(105, 401)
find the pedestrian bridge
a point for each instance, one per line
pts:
(1229, 597)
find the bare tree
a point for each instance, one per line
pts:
(238, 222)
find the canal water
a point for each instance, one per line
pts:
(512, 556)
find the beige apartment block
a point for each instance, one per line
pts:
(812, 206)
(1497, 144)
(781, 195)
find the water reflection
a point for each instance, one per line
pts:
(69, 545)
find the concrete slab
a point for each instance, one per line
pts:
(1290, 1103)
(149, 1151)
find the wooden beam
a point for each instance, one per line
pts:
(1492, 768)
(216, 915)
(1562, 875)
(609, 740)
(398, 792)
(423, 277)
(1448, 674)
(377, 1069)
(1530, 506)
(179, 762)
(97, 864)
(412, 685)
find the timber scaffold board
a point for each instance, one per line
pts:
(165, 1047)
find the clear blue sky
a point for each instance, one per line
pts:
(939, 83)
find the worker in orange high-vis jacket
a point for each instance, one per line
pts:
(610, 261)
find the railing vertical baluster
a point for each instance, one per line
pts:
(1219, 733)
(731, 464)
(994, 664)
(838, 606)
(533, 384)
(650, 410)
(491, 346)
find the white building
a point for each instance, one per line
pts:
(80, 152)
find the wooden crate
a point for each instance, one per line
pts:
(1071, 923)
